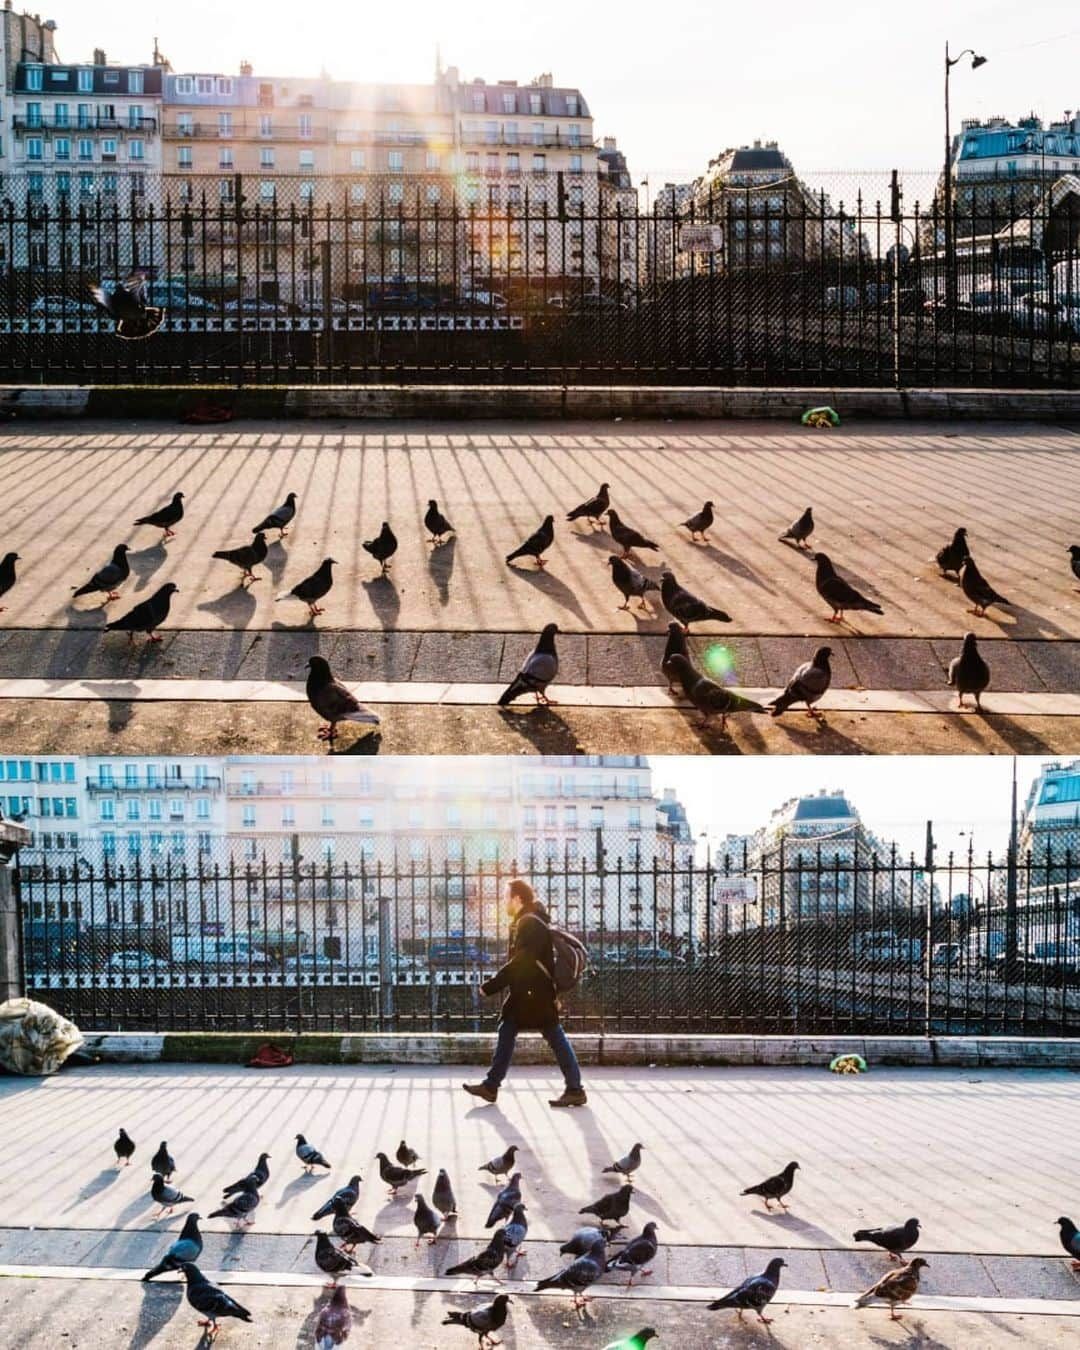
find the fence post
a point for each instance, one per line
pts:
(12, 838)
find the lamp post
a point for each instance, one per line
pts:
(950, 260)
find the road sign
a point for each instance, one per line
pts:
(701, 238)
(735, 890)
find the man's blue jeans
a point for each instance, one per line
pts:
(555, 1036)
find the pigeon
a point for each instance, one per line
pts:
(612, 1207)
(240, 1208)
(708, 697)
(425, 1220)
(637, 1254)
(809, 683)
(396, 1177)
(627, 1166)
(309, 1155)
(334, 1322)
(583, 1241)
(626, 537)
(635, 1342)
(955, 553)
(537, 544)
(436, 523)
(350, 1232)
(162, 1162)
(540, 668)
(578, 1275)
(333, 701)
(977, 589)
(483, 1320)
(801, 530)
(968, 672)
(755, 1293)
(168, 1197)
(681, 604)
(7, 572)
(442, 1197)
(1070, 1240)
(896, 1287)
(313, 588)
(838, 593)
(700, 523)
(775, 1188)
(280, 518)
(405, 1155)
(502, 1164)
(1074, 560)
(126, 304)
(676, 646)
(255, 1179)
(593, 509)
(893, 1240)
(383, 547)
(114, 573)
(629, 581)
(167, 517)
(346, 1196)
(485, 1262)
(187, 1247)
(146, 616)
(504, 1203)
(333, 1261)
(124, 1147)
(516, 1230)
(208, 1299)
(246, 557)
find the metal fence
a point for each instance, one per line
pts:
(802, 938)
(539, 281)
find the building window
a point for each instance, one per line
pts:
(154, 808)
(327, 815)
(86, 149)
(135, 150)
(396, 195)
(35, 147)
(85, 81)
(575, 163)
(176, 808)
(183, 157)
(249, 816)
(266, 157)
(135, 81)
(267, 190)
(224, 124)
(108, 149)
(288, 814)
(60, 114)
(266, 124)
(539, 163)
(431, 161)
(356, 159)
(33, 115)
(307, 191)
(204, 84)
(574, 132)
(35, 77)
(225, 157)
(571, 105)
(307, 161)
(395, 161)
(134, 117)
(110, 76)
(433, 192)
(202, 808)
(477, 101)
(224, 84)
(225, 189)
(185, 84)
(536, 104)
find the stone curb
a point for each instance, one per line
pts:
(611, 1050)
(536, 402)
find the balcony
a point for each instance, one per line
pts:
(559, 141)
(211, 783)
(47, 125)
(212, 131)
(369, 136)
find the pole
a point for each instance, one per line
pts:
(327, 310)
(12, 972)
(950, 279)
(1010, 888)
(895, 212)
(928, 933)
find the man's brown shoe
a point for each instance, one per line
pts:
(481, 1090)
(569, 1098)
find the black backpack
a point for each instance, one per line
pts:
(571, 960)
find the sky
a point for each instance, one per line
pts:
(846, 88)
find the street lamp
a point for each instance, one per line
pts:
(950, 271)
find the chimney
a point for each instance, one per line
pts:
(246, 68)
(99, 56)
(609, 143)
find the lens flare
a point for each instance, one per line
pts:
(719, 663)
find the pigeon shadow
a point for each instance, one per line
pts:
(369, 744)
(101, 1182)
(544, 729)
(554, 589)
(599, 539)
(441, 567)
(735, 566)
(276, 561)
(236, 608)
(385, 600)
(299, 1186)
(159, 1305)
(827, 739)
(1020, 740)
(305, 1337)
(138, 1207)
(144, 562)
(790, 1222)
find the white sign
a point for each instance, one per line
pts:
(701, 238)
(735, 890)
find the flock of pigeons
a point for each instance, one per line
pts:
(591, 1248)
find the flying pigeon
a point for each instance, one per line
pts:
(436, 523)
(637, 1341)
(898, 1286)
(681, 604)
(578, 1275)
(280, 518)
(754, 1294)
(208, 1299)
(612, 1207)
(345, 1196)
(124, 1147)
(396, 1177)
(162, 1162)
(255, 1179)
(629, 581)
(537, 544)
(246, 557)
(383, 547)
(483, 1321)
(676, 646)
(968, 672)
(425, 1220)
(628, 1165)
(126, 304)
(637, 1254)
(485, 1262)
(516, 1230)
(146, 616)
(540, 668)
(701, 523)
(893, 1240)
(594, 508)
(333, 701)
(309, 1155)
(167, 517)
(334, 1322)
(502, 1164)
(583, 1241)
(187, 1247)
(240, 1208)
(775, 1188)
(313, 588)
(954, 554)
(977, 589)
(348, 1230)
(168, 1197)
(626, 537)
(708, 697)
(1074, 560)
(7, 572)
(809, 683)
(801, 530)
(442, 1197)
(114, 573)
(1070, 1240)
(503, 1205)
(838, 593)
(333, 1261)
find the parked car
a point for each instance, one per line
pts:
(484, 299)
(946, 955)
(651, 956)
(1063, 312)
(135, 961)
(254, 308)
(455, 953)
(839, 298)
(62, 306)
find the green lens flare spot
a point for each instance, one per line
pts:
(719, 663)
